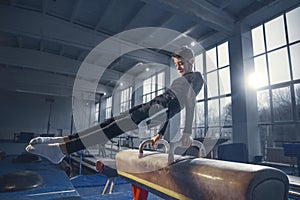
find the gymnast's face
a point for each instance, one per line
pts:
(182, 66)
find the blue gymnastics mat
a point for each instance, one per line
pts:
(57, 184)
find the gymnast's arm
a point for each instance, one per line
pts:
(189, 114)
(190, 101)
(160, 133)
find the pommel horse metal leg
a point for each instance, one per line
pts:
(111, 181)
(111, 174)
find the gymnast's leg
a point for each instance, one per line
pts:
(55, 152)
(114, 129)
(51, 140)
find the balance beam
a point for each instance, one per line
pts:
(199, 178)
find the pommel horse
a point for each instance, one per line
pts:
(173, 176)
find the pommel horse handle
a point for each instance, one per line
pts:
(174, 145)
(161, 141)
(170, 148)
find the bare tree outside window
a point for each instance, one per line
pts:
(282, 105)
(276, 61)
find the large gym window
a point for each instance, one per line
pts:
(152, 87)
(276, 49)
(125, 101)
(97, 111)
(108, 108)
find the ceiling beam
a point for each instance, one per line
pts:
(43, 61)
(109, 8)
(101, 14)
(133, 18)
(140, 14)
(225, 3)
(210, 39)
(162, 23)
(30, 81)
(182, 35)
(202, 11)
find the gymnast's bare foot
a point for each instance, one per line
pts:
(50, 151)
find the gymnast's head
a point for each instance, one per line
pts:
(184, 60)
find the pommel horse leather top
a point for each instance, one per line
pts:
(199, 178)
